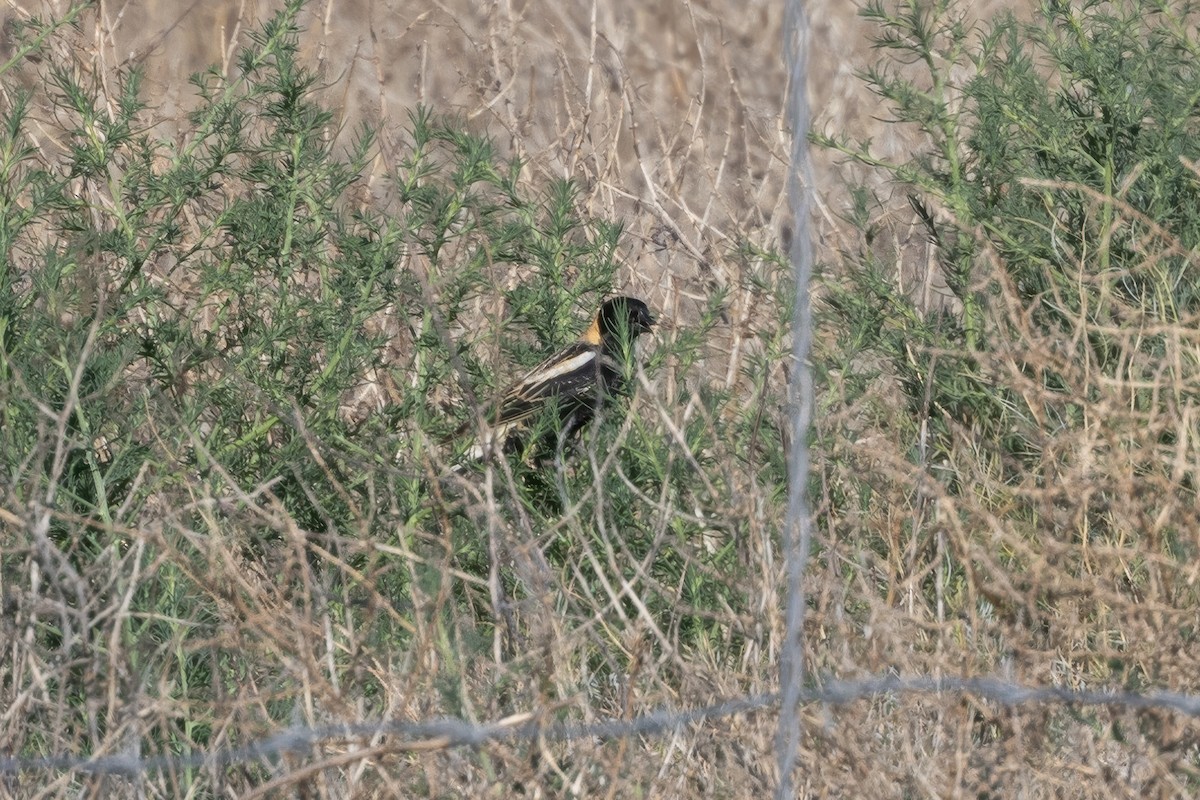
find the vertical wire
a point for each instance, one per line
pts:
(797, 533)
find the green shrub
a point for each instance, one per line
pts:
(228, 374)
(1045, 395)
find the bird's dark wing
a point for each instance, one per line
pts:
(570, 377)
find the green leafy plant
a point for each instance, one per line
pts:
(228, 374)
(1041, 390)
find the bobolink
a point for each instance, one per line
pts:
(575, 382)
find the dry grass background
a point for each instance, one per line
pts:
(669, 116)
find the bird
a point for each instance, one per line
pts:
(576, 381)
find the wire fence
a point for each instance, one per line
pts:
(445, 734)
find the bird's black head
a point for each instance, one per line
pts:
(624, 314)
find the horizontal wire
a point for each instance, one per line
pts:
(451, 733)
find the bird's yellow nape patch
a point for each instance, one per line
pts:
(592, 334)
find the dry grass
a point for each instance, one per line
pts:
(669, 118)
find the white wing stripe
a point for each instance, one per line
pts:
(565, 367)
